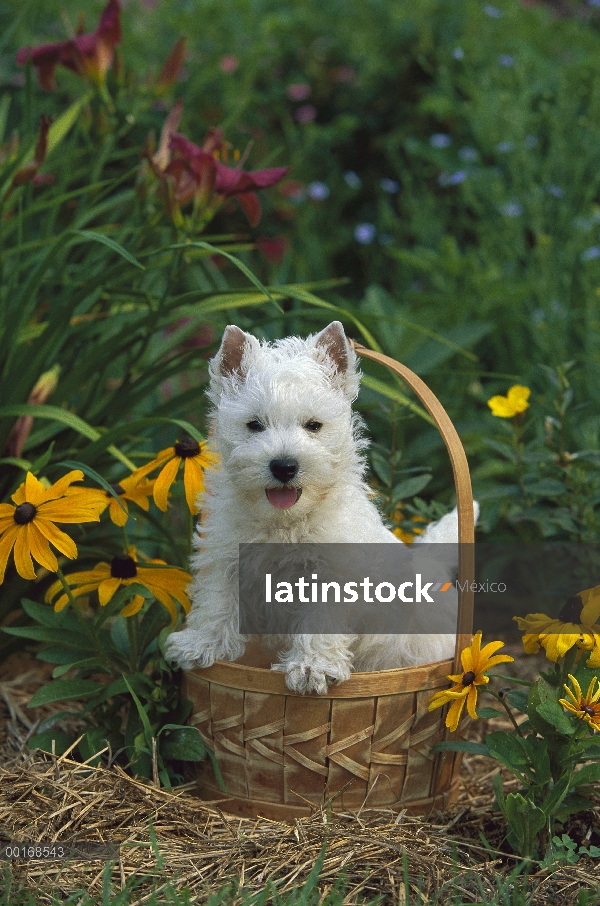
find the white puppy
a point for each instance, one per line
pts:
(292, 471)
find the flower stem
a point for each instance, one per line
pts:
(500, 698)
(134, 641)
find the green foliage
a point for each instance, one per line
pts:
(553, 754)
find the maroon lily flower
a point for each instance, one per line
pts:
(199, 174)
(29, 172)
(90, 56)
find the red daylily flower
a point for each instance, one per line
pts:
(199, 172)
(90, 56)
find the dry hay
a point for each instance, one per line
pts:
(51, 798)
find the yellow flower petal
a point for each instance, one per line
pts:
(22, 556)
(472, 702)
(133, 607)
(164, 482)
(40, 549)
(116, 512)
(159, 460)
(107, 588)
(193, 482)
(74, 508)
(31, 491)
(7, 541)
(454, 713)
(58, 538)
(59, 488)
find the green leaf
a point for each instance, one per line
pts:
(182, 743)
(500, 797)
(92, 236)
(92, 743)
(526, 820)
(79, 665)
(489, 713)
(148, 733)
(556, 795)
(56, 654)
(411, 486)
(553, 714)
(517, 699)
(43, 741)
(540, 693)
(61, 690)
(506, 749)
(47, 634)
(42, 613)
(396, 395)
(589, 773)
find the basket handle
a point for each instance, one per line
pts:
(464, 493)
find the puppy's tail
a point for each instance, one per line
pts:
(445, 530)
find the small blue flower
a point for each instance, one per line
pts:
(458, 53)
(538, 315)
(492, 11)
(593, 2)
(352, 179)
(531, 141)
(365, 233)
(506, 59)
(591, 253)
(468, 154)
(440, 140)
(452, 179)
(511, 209)
(504, 147)
(556, 191)
(317, 191)
(390, 185)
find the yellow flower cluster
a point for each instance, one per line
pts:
(28, 528)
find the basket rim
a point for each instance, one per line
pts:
(359, 685)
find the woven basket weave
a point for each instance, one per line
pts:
(368, 741)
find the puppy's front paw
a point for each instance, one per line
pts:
(303, 677)
(188, 649)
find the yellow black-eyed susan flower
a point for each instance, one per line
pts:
(29, 526)
(195, 456)
(576, 625)
(475, 661)
(166, 584)
(585, 707)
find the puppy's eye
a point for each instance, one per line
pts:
(255, 425)
(313, 426)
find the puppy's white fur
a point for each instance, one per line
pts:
(285, 386)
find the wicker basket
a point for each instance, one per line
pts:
(368, 741)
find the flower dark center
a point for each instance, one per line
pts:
(24, 513)
(123, 568)
(588, 709)
(571, 612)
(468, 678)
(187, 447)
(118, 489)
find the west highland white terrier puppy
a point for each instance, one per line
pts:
(292, 471)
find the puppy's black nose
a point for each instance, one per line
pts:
(283, 469)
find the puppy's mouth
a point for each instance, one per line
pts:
(283, 498)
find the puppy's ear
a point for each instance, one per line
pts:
(333, 344)
(232, 358)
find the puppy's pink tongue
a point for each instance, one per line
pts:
(282, 498)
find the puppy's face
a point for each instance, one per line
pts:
(283, 422)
